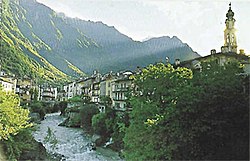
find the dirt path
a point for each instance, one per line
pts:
(2, 155)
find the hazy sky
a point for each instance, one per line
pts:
(197, 23)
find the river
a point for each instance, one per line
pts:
(71, 143)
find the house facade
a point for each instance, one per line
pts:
(120, 88)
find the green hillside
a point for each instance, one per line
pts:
(18, 55)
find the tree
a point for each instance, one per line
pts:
(37, 107)
(13, 118)
(98, 124)
(87, 112)
(147, 138)
(180, 116)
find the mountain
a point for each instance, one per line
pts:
(18, 56)
(74, 45)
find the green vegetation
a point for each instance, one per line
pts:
(110, 124)
(87, 112)
(38, 107)
(42, 108)
(13, 47)
(75, 69)
(39, 44)
(24, 147)
(58, 32)
(13, 118)
(51, 138)
(178, 115)
(15, 131)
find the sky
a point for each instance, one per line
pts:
(199, 23)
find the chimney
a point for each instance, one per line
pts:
(167, 60)
(177, 62)
(213, 51)
(242, 51)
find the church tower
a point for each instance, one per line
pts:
(230, 43)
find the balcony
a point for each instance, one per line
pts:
(120, 89)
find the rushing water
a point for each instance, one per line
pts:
(71, 143)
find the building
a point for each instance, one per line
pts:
(228, 51)
(70, 89)
(230, 42)
(47, 93)
(61, 94)
(91, 87)
(95, 96)
(25, 89)
(78, 86)
(105, 85)
(120, 88)
(8, 84)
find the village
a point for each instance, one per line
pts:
(112, 85)
(200, 106)
(115, 85)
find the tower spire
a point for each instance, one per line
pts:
(230, 43)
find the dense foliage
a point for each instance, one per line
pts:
(13, 118)
(87, 111)
(111, 124)
(24, 147)
(177, 115)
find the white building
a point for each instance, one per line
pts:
(8, 84)
(120, 88)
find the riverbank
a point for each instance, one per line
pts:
(70, 143)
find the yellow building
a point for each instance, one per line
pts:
(230, 42)
(105, 85)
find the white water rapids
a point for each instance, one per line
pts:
(72, 143)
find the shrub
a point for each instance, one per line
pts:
(87, 112)
(37, 107)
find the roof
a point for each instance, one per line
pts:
(5, 80)
(228, 54)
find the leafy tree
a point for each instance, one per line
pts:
(38, 107)
(155, 101)
(98, 124)
(24, 147)
(13, 118)
(87, 112)
(176, 116)
(222, 113)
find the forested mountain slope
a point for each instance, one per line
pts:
(70, 42)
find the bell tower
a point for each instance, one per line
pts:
(230, 43)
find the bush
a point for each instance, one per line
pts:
(98, 124)
(37, 107)
(63, 106)
(87, 112)
(24, 147)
